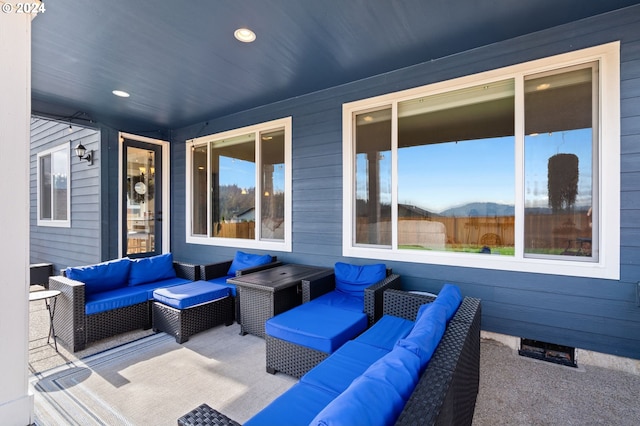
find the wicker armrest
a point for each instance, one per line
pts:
(317, 286)
(187, 271)
(214, 270)
(403, 304)
(69, 320)
(373, 297)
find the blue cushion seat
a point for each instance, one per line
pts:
(317, 326)
(341, 300)
(190, 294)
(387, 331)
(125, 296)
(223, 281)
(301, 403)
(336, 372)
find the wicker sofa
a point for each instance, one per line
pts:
(113, 299)
(445, 393)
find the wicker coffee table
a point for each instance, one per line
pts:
(272, 291)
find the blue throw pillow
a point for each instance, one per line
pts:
(247, 260)
(450, 297)
(426, 332)
(353, 279)
(151, 269)
(101, 277)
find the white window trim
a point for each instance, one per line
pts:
(284, 245)
(608, 265)
(65, 147)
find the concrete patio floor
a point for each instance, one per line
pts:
(514, 390)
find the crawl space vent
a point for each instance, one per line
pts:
(558, 354)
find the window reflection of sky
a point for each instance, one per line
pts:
(242, 173)
(437, 177)
(440, 176)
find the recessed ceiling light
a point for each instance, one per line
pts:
(121, 93)
(543, 86)
(244, 35)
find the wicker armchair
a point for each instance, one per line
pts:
(75, 329)
(219, 270)
(296, 360)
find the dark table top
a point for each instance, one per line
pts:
(279, 278)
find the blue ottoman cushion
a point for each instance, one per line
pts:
(317, 326)
(190, 294)
(223, 281)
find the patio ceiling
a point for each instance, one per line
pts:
(181, 64)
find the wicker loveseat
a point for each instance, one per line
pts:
(445, 392)
(110, 298)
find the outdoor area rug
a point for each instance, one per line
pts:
(155, 380)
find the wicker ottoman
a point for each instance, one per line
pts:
(187, 309)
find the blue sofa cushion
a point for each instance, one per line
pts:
(450, 297)
(342, 300)
(247, 260)
(299, 405)
(150, 269)
(427, 332)
(400, 368)
(353, 279)
(317, 326)
(223, 281)
(101, 277)
(337, 372)
(190, 294)
(114, 299)
(386, 332)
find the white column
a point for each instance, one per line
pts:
(16, 403)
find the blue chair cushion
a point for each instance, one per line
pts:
(317, 326)
(223, 281)
(337, 372)
(426, 333)
(341, 300)
(190, 294)
(386, 332)
(353, 279)
(102, 277)
(297, 406)
(450, 297)
(247, 260)
(400, 368)
(151, 269)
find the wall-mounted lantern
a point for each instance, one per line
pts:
(81, 151)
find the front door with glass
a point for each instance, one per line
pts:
(142, 199)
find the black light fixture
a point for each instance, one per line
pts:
(80, 152)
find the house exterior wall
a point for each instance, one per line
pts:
(593, 314)
(79, 244)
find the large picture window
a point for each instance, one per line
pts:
(239, 187)
(54, 186)
(513, 169)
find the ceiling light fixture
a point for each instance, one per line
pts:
(244, 35)
(121, 93)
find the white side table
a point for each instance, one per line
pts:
(49, 297)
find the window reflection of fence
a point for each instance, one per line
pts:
(243, 230)
(542, 231)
